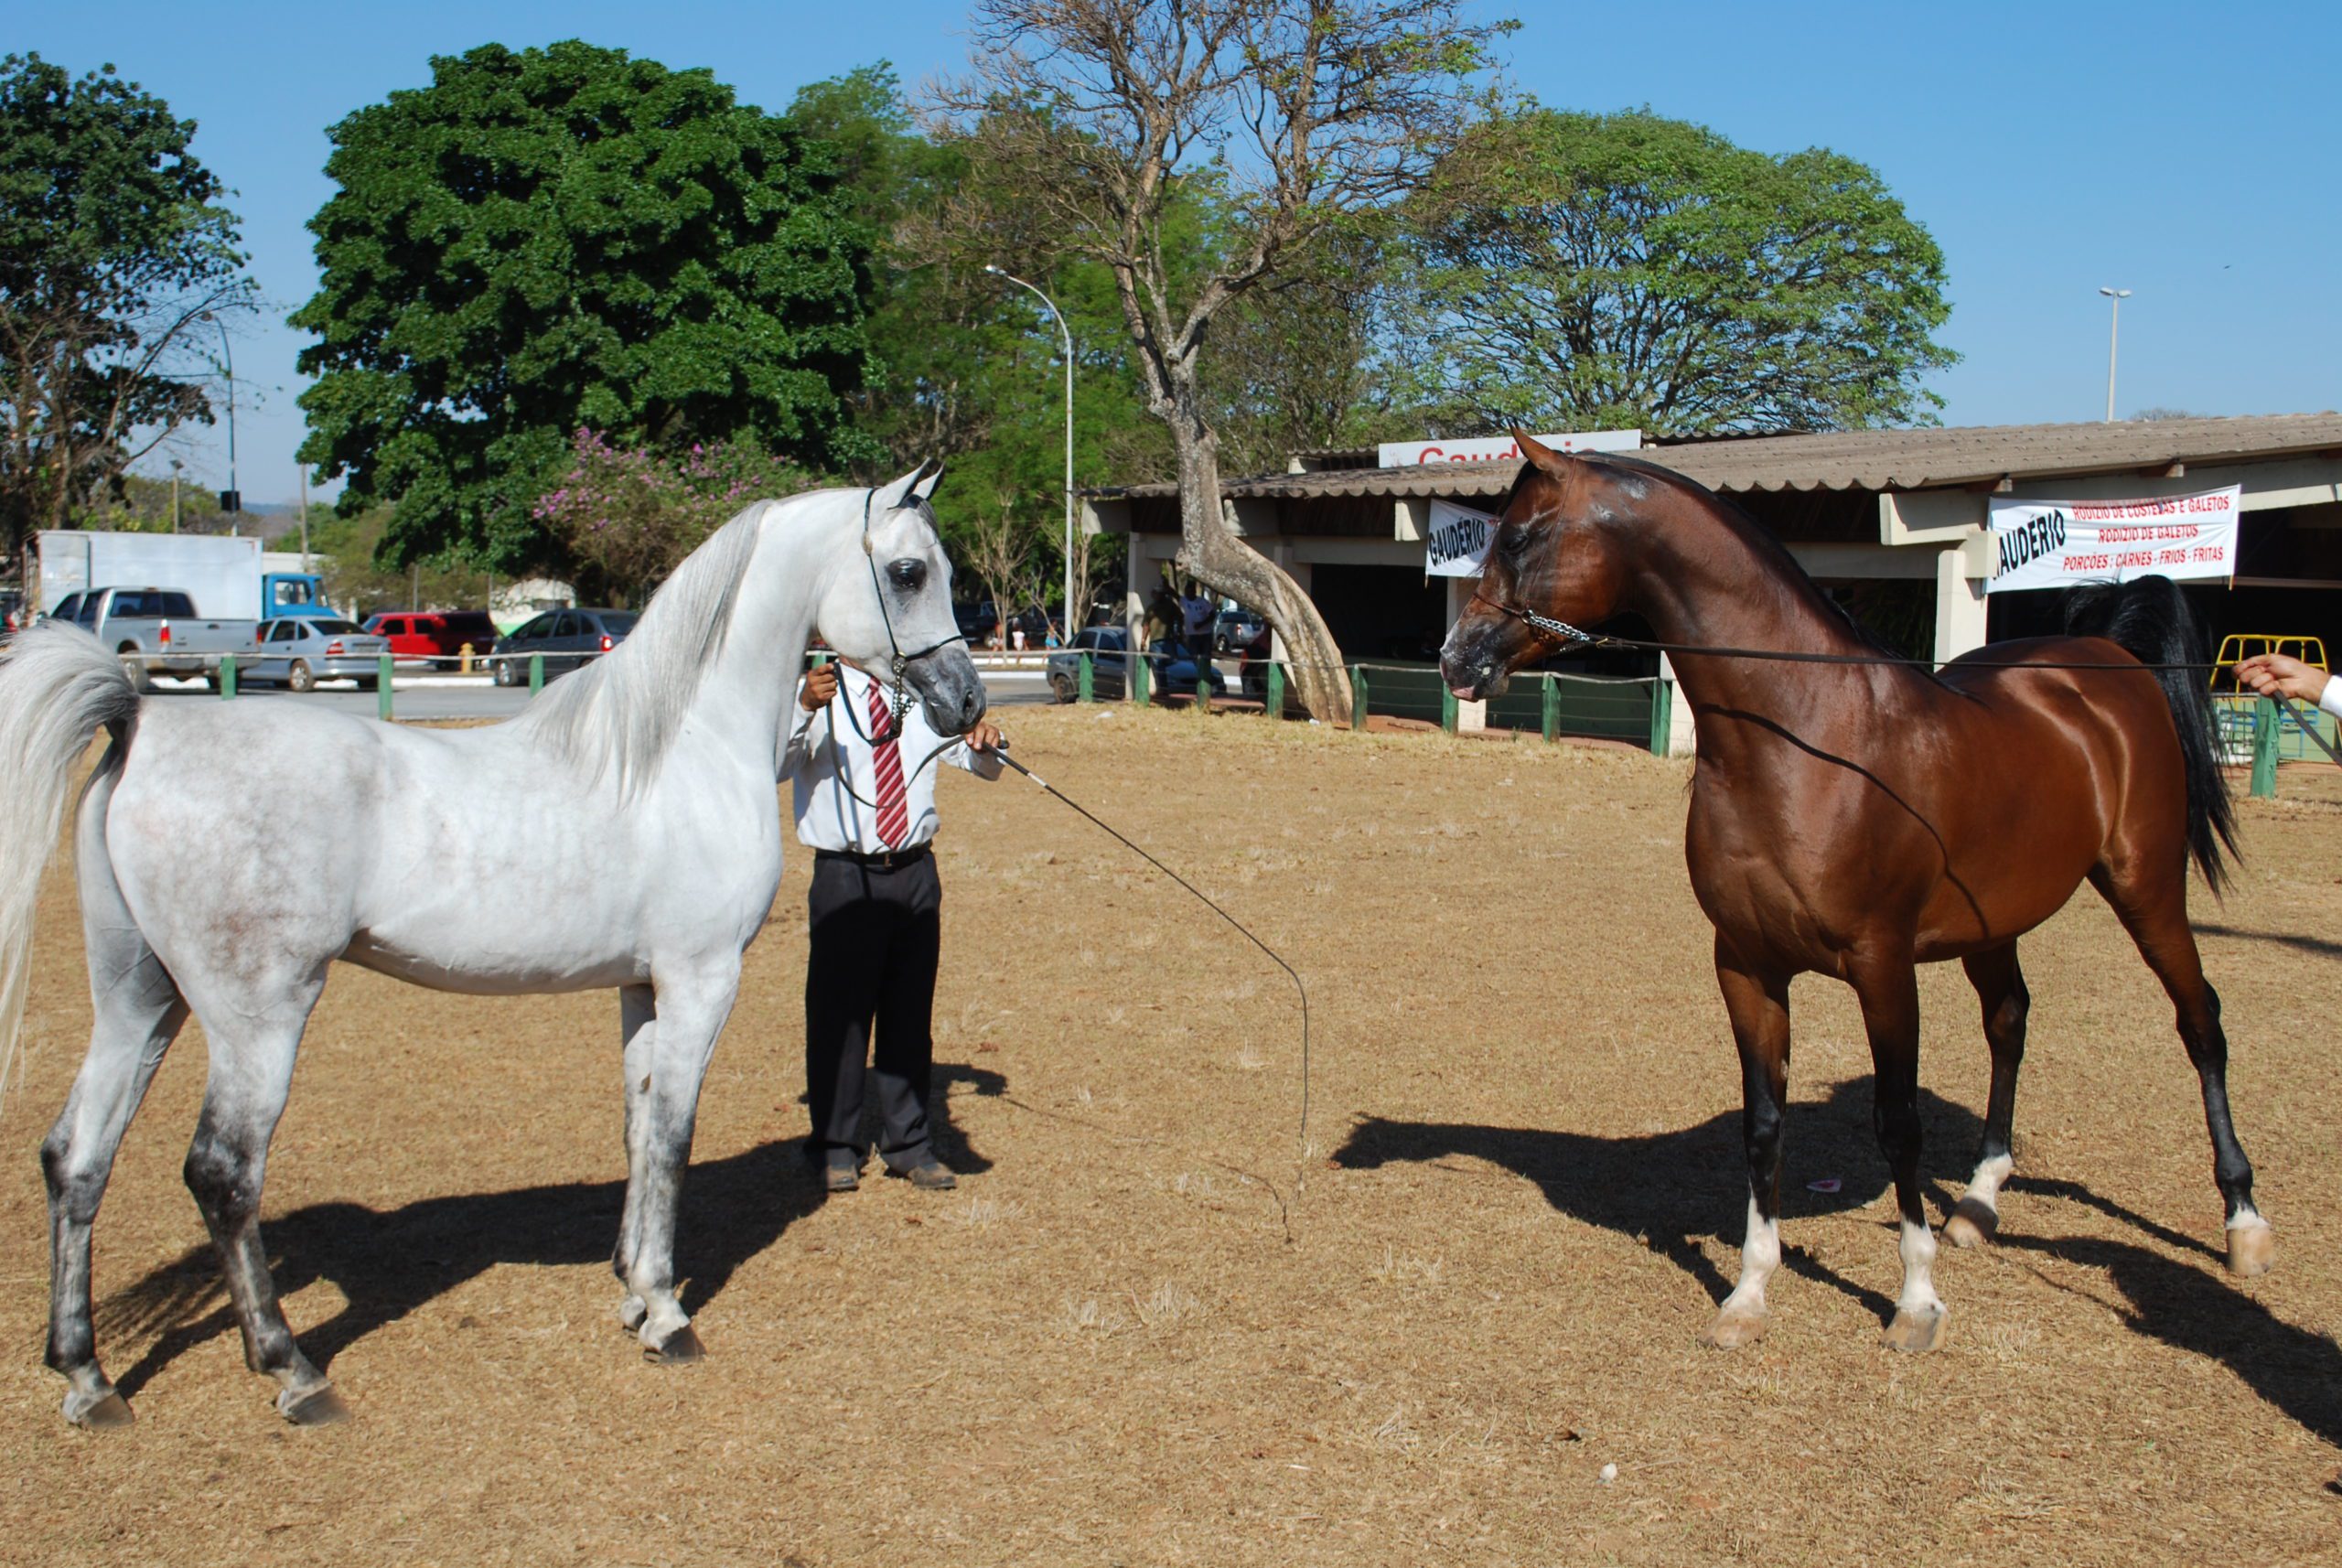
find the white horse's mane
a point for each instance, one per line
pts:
(622, 711)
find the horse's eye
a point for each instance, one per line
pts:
(1511, 540)
(907, 574)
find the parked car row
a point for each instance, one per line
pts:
(1176, 669)
(434, 634)
(567, 639)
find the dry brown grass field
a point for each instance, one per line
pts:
(1143, 1331)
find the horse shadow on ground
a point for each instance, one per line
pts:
(1670, 1192)
(388, 1264)
(2294, 940)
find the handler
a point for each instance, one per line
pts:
(868, 813)
(2280, 675)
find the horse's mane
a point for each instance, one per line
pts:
(1796, 578)
(623, 710)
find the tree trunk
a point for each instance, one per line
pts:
(1211, 551)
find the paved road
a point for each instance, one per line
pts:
(453, 697)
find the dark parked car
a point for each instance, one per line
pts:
(1174, 669)
(567, 639)
(976, 621)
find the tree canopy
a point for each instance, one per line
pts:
(546, 240)
(1587, 270)
(115, 252)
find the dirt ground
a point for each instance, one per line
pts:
(1142, 1331)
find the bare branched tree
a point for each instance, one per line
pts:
(1313, 112)
(998, 547)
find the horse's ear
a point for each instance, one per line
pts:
(1544, 457)
(911, 488)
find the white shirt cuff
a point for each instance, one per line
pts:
(2331, 698)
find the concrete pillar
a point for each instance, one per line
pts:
(1683, 730)
(1960, 604)
(1470, 717)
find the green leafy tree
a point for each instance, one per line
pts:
(1587, 270)
(628, 517)
(549, 239)
(116, 256)
(965, 366)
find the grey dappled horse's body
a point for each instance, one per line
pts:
(621, 832)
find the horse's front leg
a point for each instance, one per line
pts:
(691, 1010)
(1888, 988)
(638, 1028)
(1759, 1002)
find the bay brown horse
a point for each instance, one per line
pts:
(1859, 819)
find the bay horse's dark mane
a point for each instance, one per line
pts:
(1747, 529)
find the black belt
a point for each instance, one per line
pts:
(884, 860)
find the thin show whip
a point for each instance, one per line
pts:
(1303, 991)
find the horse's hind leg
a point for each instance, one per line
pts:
(1759, 1005)
(2152, 907)
(2000, 987)
(1889, 992)
(252, 1072)
(137, 1013)
(638, 1030)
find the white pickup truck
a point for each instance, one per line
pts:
(156, 632)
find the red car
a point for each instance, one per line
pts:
(434, 634)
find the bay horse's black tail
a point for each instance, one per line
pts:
(2149, 618)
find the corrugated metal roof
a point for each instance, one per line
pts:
(1860, 459)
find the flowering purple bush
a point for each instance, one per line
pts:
(631, 514)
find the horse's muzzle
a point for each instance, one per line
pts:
(950, 690)
(1470, 665)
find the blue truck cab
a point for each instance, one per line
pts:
(292, 594)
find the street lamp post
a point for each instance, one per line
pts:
(2113, 331)
(1065, 335)
(234, 501)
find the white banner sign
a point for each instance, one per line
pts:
(1457, 543)
(1500, 449)
(2053, 544)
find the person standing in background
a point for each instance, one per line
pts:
(866, 806)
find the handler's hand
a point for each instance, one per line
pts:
(820, 685)
(2275, 675)
(986, 737)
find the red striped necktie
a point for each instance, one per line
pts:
(894, 800)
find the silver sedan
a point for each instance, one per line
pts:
(301, 650)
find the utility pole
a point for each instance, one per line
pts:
(305, 518)
(2114, 330)
(176, 467)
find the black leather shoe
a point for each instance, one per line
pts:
(934, 1176)
(840, 1179)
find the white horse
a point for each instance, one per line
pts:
(622, 832)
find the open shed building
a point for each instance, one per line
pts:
(1893, 522)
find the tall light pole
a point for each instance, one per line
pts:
(2113, 331)
(1065, 335)
(233, 501)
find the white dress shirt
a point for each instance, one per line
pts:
(2331, 698)
(832, 764)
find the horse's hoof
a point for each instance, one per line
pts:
(107, 1414)
(631, 1312)
(1731, 1330)
(1915, 1332)
(321, 1406)
(680, 1348)
(1972, 1224)
(2253, 1251)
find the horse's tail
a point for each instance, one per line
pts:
(2149, 618)
(57, 686)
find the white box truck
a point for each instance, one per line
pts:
(223, 574)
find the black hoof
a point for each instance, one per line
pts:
(681, 1349)
(321, 1406)
(108, 1415)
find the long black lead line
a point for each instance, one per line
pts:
(1302, 990)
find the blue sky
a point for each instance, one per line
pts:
(2181, 152)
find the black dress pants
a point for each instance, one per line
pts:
(876, 934)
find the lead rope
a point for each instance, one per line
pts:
(1301, 1155)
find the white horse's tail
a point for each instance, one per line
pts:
(57, 686)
